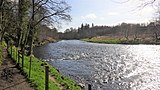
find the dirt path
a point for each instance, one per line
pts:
(54, 80)
(10, 76)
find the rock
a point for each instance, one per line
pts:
(81, 85)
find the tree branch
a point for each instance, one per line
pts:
(57, 13)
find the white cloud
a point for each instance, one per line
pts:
(129, 21)
(113, 13)
(89, 16)
(102, 18)
(137, 21)
(147, 10)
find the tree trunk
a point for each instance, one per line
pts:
(1, 17)
(31, 33)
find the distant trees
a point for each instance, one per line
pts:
(154, 26)
(123, 31)
(69, 34)
(157, 23)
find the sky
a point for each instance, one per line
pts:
(107, 12)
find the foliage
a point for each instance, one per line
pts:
(37, 74)
(124, 31)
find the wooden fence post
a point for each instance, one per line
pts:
(22, 59)
(18, 58)
(11, 51)
(46, 77)
(16, 54)
(89, 87)
(7, 46)
(30, 66)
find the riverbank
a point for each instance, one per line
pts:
(46, 41)
(37, 77)
(118, 41)
(111, 41)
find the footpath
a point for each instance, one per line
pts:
(10, 77)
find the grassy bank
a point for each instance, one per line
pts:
(111, 41)
(117, 41)
(37, 78)
(122, 40)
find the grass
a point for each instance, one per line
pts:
(110, 41)
(2, 45)
(37, 78)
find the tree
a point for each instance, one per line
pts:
(92, 25)
(54, 12)
(157, 23)
(1, 7)
(6, 17)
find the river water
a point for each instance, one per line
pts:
(105, 66)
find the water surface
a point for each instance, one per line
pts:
(105, 66)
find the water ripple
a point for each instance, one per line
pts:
(106, 66)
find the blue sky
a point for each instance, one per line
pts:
(107, 12)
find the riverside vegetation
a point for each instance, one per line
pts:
(111, 40)
(37, 77)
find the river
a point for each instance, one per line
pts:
(105, 66)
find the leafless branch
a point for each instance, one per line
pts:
(53, 11)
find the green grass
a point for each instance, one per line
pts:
(37, 78)
(2, 45)
(111, 41)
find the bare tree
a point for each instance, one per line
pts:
(52, 12)
(157, 23)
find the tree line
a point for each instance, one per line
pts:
(123, 30)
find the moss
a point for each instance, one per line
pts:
(2, 45)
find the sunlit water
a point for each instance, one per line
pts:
(105, 66)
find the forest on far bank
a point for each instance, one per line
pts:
(123, 31)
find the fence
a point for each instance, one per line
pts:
(18, 56)
(29, 65)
